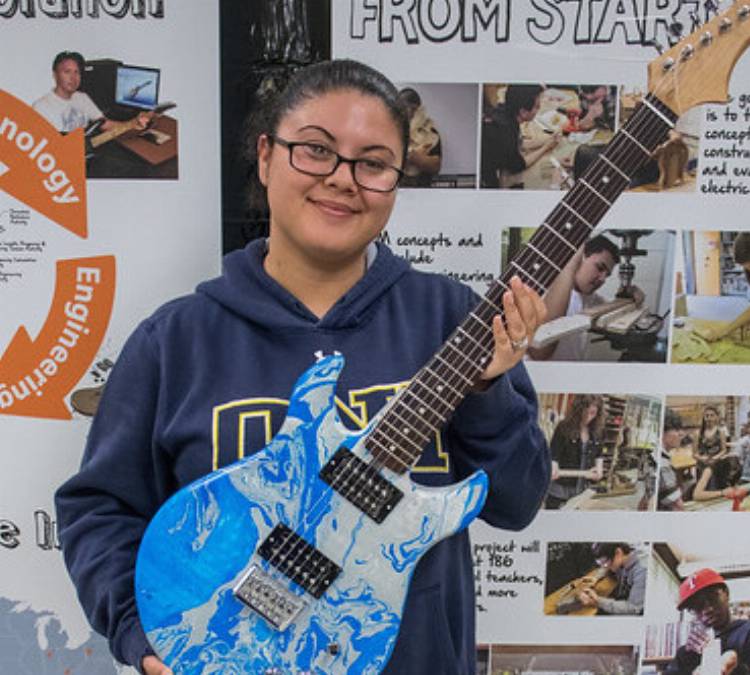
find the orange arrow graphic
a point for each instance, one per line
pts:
(41, 167)
(37, 375)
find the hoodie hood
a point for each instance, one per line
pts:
(245, 289)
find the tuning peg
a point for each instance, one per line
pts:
(656, 45)
(675, 29)
(686, 52)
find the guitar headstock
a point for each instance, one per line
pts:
(697, 69)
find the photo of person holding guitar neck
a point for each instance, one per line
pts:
(191, 381)
(68, 109)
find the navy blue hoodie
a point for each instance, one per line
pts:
(205, 381)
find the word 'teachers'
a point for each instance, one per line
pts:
(636, 22)
(75, 9)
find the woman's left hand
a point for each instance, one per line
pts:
(524, 313)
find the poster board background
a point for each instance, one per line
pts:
(164, 236)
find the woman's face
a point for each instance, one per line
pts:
(710, 417)
(329, 220)
(591, 412)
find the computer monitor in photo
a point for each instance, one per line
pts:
(137, 87)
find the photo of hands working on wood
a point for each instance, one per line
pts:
(705, 454)
(568, 659)
(673, 165)
(712, 298)
(698, 605)
(603, 449)
(596, 578)
(610, 302)
(539, 137)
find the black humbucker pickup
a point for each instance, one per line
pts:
(299, 561)
(361, 484)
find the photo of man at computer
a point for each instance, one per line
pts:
(128, 135)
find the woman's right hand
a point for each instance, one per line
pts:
(153, 666)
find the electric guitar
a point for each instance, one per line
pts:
(297, 559)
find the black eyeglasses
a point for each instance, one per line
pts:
(315, 159)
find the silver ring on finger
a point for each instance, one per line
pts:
(519, 345)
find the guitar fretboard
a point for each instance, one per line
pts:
(434, 393)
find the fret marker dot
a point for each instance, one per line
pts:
(536, 266)
(605, 179)
(422, 411)
(568, 226)
(392, 448)
(406, 430)
(439, 387)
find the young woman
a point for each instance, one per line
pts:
(576, 450)
(720, 479)
(712, 444)
(194, 377)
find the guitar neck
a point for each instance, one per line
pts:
(439, 387)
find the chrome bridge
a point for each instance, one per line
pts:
(267, 597)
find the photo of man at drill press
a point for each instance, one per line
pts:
(610, 302)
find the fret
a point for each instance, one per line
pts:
(643, 148)
(472, 362)
(495, 294)
(559, 236)
(468, 335)
(402, 432)
(526, 259)
(426, 435)
(494, 306)
(543, 257)
(436, 399)
(442, 383)
(521, 270)
(423, 408)
(420, 409)
(658, 112)
(606, 159)
(389, 451)
(453, 369)
(482, 322)
(564, 204)
(405, 415)
(388, 445)
(595, 191)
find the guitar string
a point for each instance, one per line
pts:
(377, 464)
(630, 153)
(301, 552)
(590, 195)
(486, 340)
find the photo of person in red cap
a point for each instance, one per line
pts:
(706, 596)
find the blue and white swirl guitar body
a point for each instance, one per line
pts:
(265, 568)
